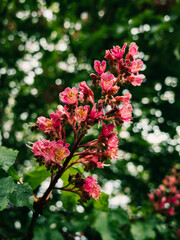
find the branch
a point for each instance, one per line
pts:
(40, 203)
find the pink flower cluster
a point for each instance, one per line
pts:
(125, 69)
(167, 197)
(50, 152)
(101, 149)
(81, 110)
(91, 187)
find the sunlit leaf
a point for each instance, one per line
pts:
(35, 178)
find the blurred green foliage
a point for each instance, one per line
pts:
(49, 45)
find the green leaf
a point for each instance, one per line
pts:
(73, 170)
(12, 171)
(69, 200)
(142, 231)
(6, 187)
(101, 225)
(118, 218)
(35, 178)
(46, 233)
(102, 203)
(7, 157)
(22, 196)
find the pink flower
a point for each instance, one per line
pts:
(136, 80)
(51, 151)
(109, 56)
(91, 161)
(61, 151)
(44, 124)
(91, 187)
(107, 81)
(112, 144)
(69, 96)
(55, 120)
(171, 211)
(117, 52)
(81, 113)
(45, 149)
(133, 50)
(99, 67)
(125, 113)
(86, 94)
(113, 90)
(111, 152)
(151, 197)
(123, 99)
(136, 66)
(178, 195)
(95, 113)
(107, 131)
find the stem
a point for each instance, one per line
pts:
(70, 165)
(75, 133)
(39, 205)
(30, 234)
(68, 190)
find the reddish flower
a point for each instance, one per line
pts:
(112, 144)
(61, 151)
(44, 124)
(86, 94)
(117, 52)
(123, 99)
(109, 56)
(99, 67)
(125, 113)
(45, 149)
(69, 96)
(107, 81)
(55, 120)
(81, 113)
(171, 211)
(166, 197)
(50, 151)
(107, 131)
(91, 160)
(136, 66)
(136, 80)
(133, 50)
(91, 187)
(95, 113)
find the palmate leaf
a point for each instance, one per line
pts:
(12, 171)
(22, 196)
(6, 188)
(7, 157)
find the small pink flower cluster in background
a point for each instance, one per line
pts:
(167, 196)
(81, 110)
